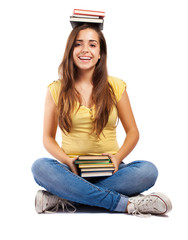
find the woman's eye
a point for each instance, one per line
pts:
(77, 44)
(93, 45)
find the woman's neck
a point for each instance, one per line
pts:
(85, 76)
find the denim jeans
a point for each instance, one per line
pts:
(111, 192)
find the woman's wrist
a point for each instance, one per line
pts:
(66, 160)
(118, 158)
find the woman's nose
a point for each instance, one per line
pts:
(85, 48)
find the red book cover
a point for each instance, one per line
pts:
(88, 13)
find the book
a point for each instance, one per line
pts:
(94, 165)
(93, 162)
(75, 21)
(93, 157)
(89, 13)
(81, 16)
(90, 165)
(96, 174)
(85, 16)
(96, 169)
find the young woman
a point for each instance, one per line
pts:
(86, 103)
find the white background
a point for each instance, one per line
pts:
(147, 48)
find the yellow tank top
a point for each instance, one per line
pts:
(80, 141)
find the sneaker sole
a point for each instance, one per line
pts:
(166, 201)
(39, 201)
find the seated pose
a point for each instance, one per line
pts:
(86, 104)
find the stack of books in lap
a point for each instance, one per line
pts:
(94, 166)
(87, 16)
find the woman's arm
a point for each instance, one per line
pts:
(128, 121)
(132, 134)
(49, 133)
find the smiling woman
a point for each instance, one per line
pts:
(86, 104)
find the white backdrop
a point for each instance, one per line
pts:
(147, 48)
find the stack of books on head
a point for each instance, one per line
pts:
(94, 166)
(87, 16)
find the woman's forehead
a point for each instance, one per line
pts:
(87, 34)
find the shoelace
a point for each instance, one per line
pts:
(143, 204)
(64, 204)
(137, 213)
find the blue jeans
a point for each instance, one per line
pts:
(111, 192)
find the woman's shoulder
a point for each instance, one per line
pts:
(55, 88)
(118, 86)
(115, 82)
(55, 83)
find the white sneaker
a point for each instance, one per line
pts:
(45, 202)
(154, 203)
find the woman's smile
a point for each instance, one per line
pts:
(85, 59)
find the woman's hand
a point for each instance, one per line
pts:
(114, 160)
(72, 165)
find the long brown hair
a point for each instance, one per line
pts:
(103, 96)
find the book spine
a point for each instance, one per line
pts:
(85, 16)
(91, 162)
(95, 165)
(96, 169)
(89, 20)
(89, 157)
(93, 174)
(88, 12)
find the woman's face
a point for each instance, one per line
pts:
(86, 51)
